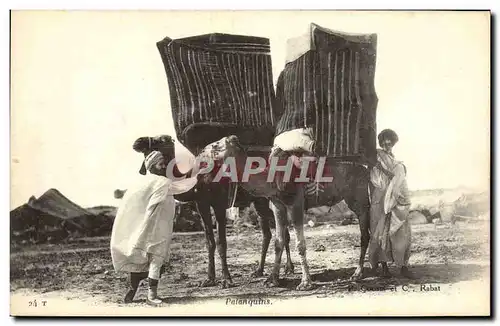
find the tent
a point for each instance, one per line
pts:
(53, 216)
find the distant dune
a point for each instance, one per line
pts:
(53, 217)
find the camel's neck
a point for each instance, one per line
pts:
(256, 184)
(178, 174)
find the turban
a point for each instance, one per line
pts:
(388, 134)
(152, 159)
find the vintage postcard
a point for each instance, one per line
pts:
(250, 163)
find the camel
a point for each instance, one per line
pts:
(350, 183)
(208, 194)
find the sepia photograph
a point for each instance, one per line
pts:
(250, 163)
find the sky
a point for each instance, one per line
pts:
(85, 85)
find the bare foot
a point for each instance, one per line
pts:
(289, 269)
(154, 301)
(226, 283)
(305, 285)
(374, 269)
(207, 283)
(272, 281)
(358, 274)
(257, 273)
(385, 271)
(129, 297)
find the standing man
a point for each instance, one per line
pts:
(390, 204)
(143, 227)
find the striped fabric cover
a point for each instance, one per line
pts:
(220, 81)
(330, 88)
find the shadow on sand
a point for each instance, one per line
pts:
(427, 273)
(330, 281)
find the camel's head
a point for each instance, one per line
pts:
(223, 148)
(162, 143)
(216, 153)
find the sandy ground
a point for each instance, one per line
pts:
(450, 264)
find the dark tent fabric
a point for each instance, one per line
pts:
(220, 84)
(53, 202)
(53, 215)
(329, 86)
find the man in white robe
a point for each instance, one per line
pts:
(143, 227)
(390, 230)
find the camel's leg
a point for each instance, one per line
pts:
(296, 215)
(265, 216)
(289, 265)
(280, 216)
(361, 207)
(220, 215)
(206, 216)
